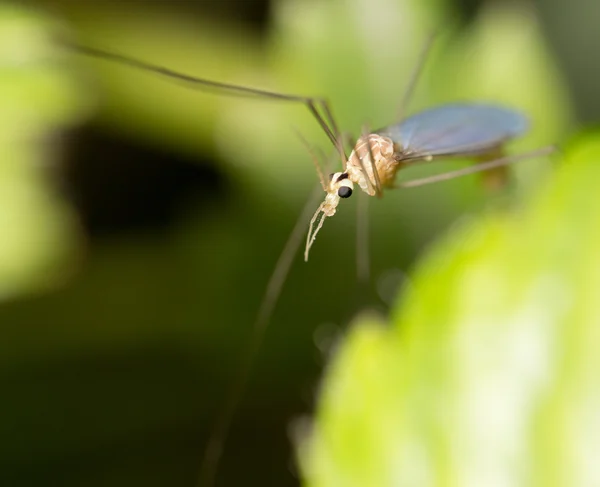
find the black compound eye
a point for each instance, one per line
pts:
(344, 192)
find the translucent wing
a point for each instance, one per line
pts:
(457, 129)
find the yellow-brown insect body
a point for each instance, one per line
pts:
(372, 177)
(385, 163)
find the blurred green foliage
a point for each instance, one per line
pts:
(37, 100)
(115, 376)
(487, 372)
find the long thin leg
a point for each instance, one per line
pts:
(415, 75)
(336, 132)
(327, 124)
(363, 268)
(484, 166)
(314, 158)
(216, 443)
(348, 139)
(497, 178)
(311, 104)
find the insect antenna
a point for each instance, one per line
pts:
(312, 235)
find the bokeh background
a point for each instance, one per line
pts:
(141, 219)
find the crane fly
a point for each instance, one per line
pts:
(441, 132)
(472, 130)
(452, 130)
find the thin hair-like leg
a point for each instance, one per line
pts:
(216, 443)
(336, 132)
(363, 267)
(348, 140)
(333, 136)
(311, 104)
(314, 158)
(485, 166)
(415, 75)
(327, 123)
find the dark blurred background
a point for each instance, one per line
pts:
(142, 219)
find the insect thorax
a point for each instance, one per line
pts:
(382, 150)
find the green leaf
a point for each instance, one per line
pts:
(487, 373)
